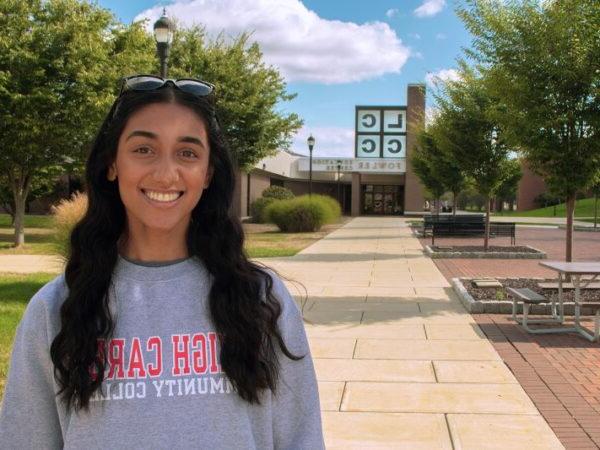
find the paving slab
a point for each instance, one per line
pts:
(473, 372)
(385, 431)
(330, 394)
(479, 398)
(500, 432)
(458, 350)
(370, 370)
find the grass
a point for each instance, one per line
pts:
(262, 240)
(31, 221)
(583, 208)
(15, 292)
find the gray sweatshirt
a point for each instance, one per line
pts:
(165, 388)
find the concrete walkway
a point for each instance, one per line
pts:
(400, 363)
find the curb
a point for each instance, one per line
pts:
(505, 306)
(487, 255)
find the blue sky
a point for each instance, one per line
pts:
(333, 54)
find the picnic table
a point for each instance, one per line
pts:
(575, 270)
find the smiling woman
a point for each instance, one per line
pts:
(161, 332)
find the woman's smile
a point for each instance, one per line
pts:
(162, 200)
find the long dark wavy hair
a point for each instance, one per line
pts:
(242, 305)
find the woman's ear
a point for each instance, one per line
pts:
(112, 173)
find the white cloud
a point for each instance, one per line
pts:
(302, 45)
(440, 36)
(430, 8)
(330, 141)
(392, 12)
(416, 36)
(433, 78)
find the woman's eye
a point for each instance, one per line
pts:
(141, 150)
(189, 153)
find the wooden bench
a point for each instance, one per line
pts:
(528, 298)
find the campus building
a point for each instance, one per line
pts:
(378, 180)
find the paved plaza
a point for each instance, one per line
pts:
(400, 363)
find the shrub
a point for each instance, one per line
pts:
(257, 209)
(65, 216)
(303, 213)
(278, 193)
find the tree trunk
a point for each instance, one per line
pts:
(454, 203)
(20, 186)
(437, 206)
(486, 238)
(570, 216)
(595, 211)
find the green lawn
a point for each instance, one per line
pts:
(31, 221)
(15, 292)
(583, 208)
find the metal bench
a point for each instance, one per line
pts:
(528, 298)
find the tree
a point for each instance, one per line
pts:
(436, 169)
(423, 163)
(475, 142)
(248, 91)
(59, 65)
(507, 191)
(542, 63)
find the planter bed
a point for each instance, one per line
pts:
(476, 251)
(496, 300)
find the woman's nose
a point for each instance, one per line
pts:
(166, 172)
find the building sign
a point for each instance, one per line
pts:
(380, 132)
(363, 165)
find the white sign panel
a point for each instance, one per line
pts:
(363, 165)
(394, 146)
(367, 146)
(394, 121)
(368, 121)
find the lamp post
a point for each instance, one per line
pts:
(163, 33)
(311, 143)
(339, 166)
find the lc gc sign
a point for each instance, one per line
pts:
(380, 132)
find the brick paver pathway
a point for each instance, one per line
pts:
(560, 373)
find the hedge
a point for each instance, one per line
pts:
(303, 213)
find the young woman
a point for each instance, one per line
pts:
(161, 333)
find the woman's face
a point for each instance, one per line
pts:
(162, 166)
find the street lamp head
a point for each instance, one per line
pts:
(163, 29)
(311, 142)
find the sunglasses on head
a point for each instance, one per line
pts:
(151, 82)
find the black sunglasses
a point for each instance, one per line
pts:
(151, 82)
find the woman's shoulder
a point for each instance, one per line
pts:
(43, 308)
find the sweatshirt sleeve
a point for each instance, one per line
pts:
(29, 418)
(296, 406)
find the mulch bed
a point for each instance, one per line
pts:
(479, 248)
(496, 294)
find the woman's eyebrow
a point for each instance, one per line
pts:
(151, 135)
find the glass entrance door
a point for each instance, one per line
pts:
(383, 199)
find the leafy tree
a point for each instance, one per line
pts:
(248, 91)
(465, 131)
(423, 162)
(59, 65)
(507, 191)
(542, 63)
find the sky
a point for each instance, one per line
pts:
(334, 54)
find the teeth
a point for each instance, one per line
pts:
(161, 197)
